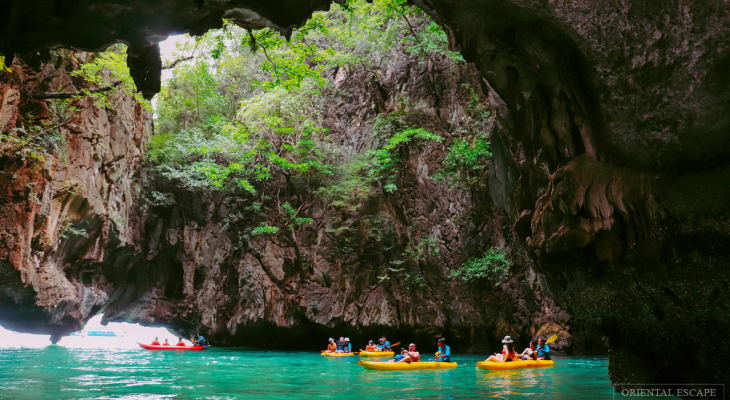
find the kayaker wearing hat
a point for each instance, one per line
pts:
(508, 352)
(543, 350)
(348, 345)
(370, 347)
(384, 344)
(332, 347)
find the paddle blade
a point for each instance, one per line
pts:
(552, 339)
(394, 344)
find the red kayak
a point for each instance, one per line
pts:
(160, 347)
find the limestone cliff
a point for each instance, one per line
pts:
(201, 272)
(67, 189)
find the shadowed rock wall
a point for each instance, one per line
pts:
(50, 283)
(611, 154)
(200, 273)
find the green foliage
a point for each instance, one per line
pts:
(385, 158)
(409, 279)
(352, 188)
(494, 266)
(291, 217)
(3, 67)
(104, 68)
(161, 199)
(297, 61)
(469, 155)
(428, 246)
(65, 230)
(264, 229)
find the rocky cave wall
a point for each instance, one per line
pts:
(50, 283)
(612, 157)
(200, 274)
(610, 154)
(184, 266)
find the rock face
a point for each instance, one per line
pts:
(610, 154)
(612, 157)
(186, 265)
(199, 273)
(51, 280)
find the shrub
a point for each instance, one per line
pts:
(494, 266)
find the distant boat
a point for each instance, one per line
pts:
(96, 334)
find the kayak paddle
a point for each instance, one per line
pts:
(552, 339)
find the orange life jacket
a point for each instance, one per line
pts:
(370, 348)
(155, 343)
(180, 344)
(332, 347)
(166, 344)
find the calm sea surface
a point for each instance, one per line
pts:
(56, 372)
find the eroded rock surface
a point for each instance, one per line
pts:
(201, 272)
(612, 157)
(51, 280)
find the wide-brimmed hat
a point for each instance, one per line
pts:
(347, 339)
(507, 339)
(331, 340)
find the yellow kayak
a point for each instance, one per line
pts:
(377, 353)
(518, 364)
(338, 354)
(386, 366)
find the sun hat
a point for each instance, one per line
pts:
(331, 339)
(507, 339)
(347, 339)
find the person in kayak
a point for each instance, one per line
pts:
(444, 351)
(341, 346)
(400, 356)
(348, 345)
(155, 342)
(508, 352)
(369, 348)
(384, 344)
(332, 347)
(166, 343)
(529, 353)
(180, 342)
(200, 342)
(411, 355)
(543, 350)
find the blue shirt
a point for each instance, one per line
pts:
(387, 344)
(349, 346)
(542, 351)
(446, 351)
(340, 345)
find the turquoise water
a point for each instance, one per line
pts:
(56, 372)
